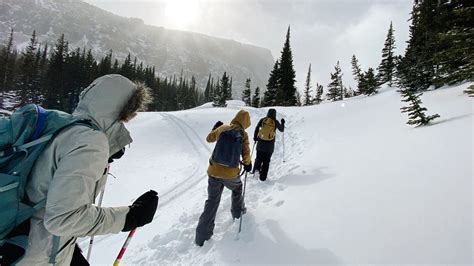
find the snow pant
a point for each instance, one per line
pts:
(215, 187)
(78, 258)
(262, 164)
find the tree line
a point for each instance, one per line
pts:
(54, 77)
(440, 52)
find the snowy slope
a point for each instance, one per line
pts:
(358, 186)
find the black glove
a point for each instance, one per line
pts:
(142, 211)
(255, 139)
(117, 155)
(248, 167)
(218, 124)
(282, 121)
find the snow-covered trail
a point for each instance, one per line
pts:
(358, 186)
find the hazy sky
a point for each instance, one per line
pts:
(322, 31)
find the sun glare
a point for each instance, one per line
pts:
(181, 13)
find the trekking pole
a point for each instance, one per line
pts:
(245, 185)
(243, 198)
(124, 247)
(283, 145)
(101, 197)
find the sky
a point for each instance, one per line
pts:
(322, 31)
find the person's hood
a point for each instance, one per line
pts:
(272, 113)
(103, 102)
(242, 118)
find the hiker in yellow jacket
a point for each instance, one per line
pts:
(264, 135)
(224, 167)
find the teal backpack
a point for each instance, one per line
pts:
(23, 136)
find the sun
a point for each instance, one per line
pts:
(181, 13)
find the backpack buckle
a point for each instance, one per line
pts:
(9, 150)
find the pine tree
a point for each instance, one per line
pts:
(386, 69)
(370, 84)
(319, 94)
(417, 68)
(127, 69)
(335, 88)
(247, 93)
(286, 93)
(219, 96)
(469, 91)
(256, 98)
(7, 66)
(348, 92)
(269, 98)
(307, 89)
(28, 80)
(298, 99)
(356, 70)
(416, 113)
(225, 87)
(207, 91)
(454, 56)
(56, 96)
(105, 65)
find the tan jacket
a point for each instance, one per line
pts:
(69, 174)
(242, 121)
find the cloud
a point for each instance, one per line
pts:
(323, 31)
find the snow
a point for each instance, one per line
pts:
(358, 186)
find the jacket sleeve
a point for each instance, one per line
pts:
(246, 150)
(212, 137)
(257, 129)
(69, 211)
(279, 126)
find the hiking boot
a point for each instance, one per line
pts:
(238, 214)
(199, 240)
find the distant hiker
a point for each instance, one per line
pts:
(223, 171)
(264, 135)
(69, 173)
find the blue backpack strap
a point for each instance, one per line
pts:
(39, 122)
(54, 250)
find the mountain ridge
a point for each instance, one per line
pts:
(170, 51)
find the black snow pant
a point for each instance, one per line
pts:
(215, 187)
(262, 164)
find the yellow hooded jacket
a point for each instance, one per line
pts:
(242, 121)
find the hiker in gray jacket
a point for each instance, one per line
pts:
(70, 172)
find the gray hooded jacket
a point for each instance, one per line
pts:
(70, 173)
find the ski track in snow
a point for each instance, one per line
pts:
(177, 245)
(191, 181)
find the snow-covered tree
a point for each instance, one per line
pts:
(416, 113)
(335, 88)
(286, 93)
(308, 100)
(469, 91)
(247, 93)
(256, 98)
(319, 94)
(370, 84)
(386, 69)
(269, 97)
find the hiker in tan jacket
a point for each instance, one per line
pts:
(224, 166)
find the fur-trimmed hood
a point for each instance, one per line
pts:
(109, 101)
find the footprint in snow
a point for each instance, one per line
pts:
(279, 203)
